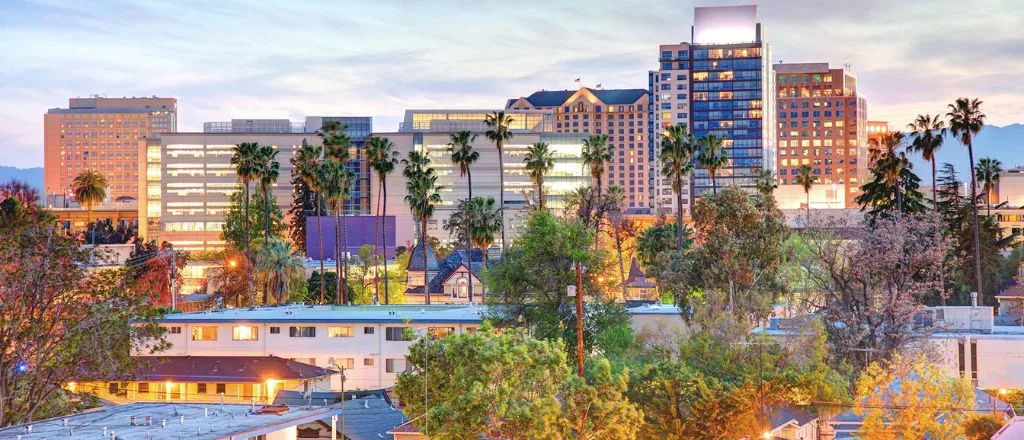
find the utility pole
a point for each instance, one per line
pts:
(173, 261)
(579, 318)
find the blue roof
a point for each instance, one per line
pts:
(554, 98)
(391, 314)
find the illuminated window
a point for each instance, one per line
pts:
(440, 332)
(204, 333)
(244, 333)
(302, 332)
(339, 332)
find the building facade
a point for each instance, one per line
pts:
(103, 135)
(670, 88)
(822, 122)
(620, 114)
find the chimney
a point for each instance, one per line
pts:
(131, 421)
(974, 299)
(149, 420)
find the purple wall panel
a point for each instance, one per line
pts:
(360, 231)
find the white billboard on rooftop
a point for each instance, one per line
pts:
(724, 24)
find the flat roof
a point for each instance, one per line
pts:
(654, 309)
(189, 421)
(442, 314)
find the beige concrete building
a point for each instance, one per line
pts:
(822, 122)
(100, 134)
(620, 114)
(670, 90)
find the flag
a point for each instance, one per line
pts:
(599, 85)
(577, 79)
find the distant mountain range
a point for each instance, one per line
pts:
(32, 176)
(1003, 143)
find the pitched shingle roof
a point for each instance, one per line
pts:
(549, 98)
(619, 96)
(416, 259)
(448, 266)
(554, 98)
(223, 369)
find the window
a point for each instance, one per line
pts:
(346, 363)
(440, 332)
(397, 334)
(221, 388)
(340, 332)
(175, 330)
(302, 332)
(201, 388)
(205, 333)
(369, 362)
(368, 330)
(394, 365)
(974, 362)
(143, 387)
(962, 364)
(244, 333)
(275, 330)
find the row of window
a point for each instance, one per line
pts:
(816, 114)
(251, 333)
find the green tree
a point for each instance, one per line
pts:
(330, 280)
(805, 177)
(712, 155)
(539, 160)
(484, 222)
(235, 232)
(983, 426)
(908, 398)
(306, 193)
(928, 132)
(464, 156)
(988, 170)
(965, 122)
(60, 321)
(422, 193)
(678, 149)
(617, 201)
(499, 130)
(269, 169)
(89, 188)
(662, 237)
(21, 191)
(382, 158)
(279, 267)
(245, 158)
(596, 154)
(765, 183)
(894, 188)
(335, 186)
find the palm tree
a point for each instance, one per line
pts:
(596, 154)
(988, 170)
(676, 156)
(965, 121)
(334, 183)
(891, 163)
(484, 221)
(89, 188)
(805, 177)
(463, 156)
(382, 158)
(498, 133)
(307, 166)
(269, 169)
(765, 182)
(539, 160)
(928, 132)
(280, 267)
(712, 155)
(616, 205)
(337, 146)
(246, 162)
(421, 195)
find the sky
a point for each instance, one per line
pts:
(289, 59)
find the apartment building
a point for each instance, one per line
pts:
(370, 342)
(100, 134)
(620, 114)
(431, 130)
(822, 122)
(670, 88)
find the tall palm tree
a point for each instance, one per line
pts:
(765, 182)
(334, 183)
(891, 163)
(616, 207)
(928, 132)
(382, 158)
(483, 218)
(280, 266)
(596, 154)
(539, 160)
(965, 121)
(676, 156)
(89, 188)
(307, 166)
(337, 148)
(245, 159)
(269, 169)
(463, 156)
(712, 156)
(421, 194)
(988, 170)
(805, 177)
(500, 131)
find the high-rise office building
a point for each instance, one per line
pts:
(103, 135)
(822, 122)
(730, 83)
(670, 88)
(621, 115)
